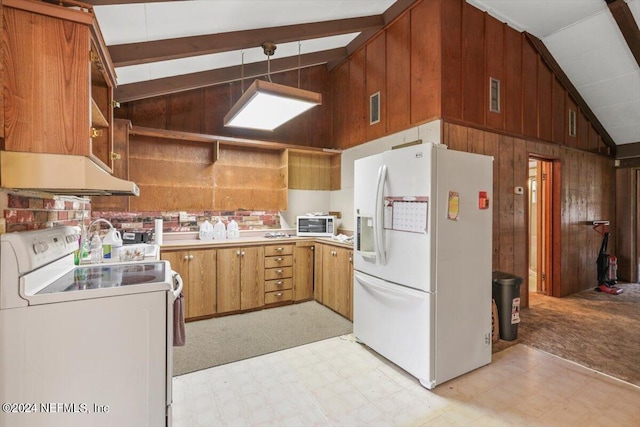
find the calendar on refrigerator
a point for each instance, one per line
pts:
(407, 213)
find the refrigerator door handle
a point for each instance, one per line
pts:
(378, 234)
(396, 290)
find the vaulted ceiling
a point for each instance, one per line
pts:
(168, 46)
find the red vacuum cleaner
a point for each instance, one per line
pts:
(607, 264)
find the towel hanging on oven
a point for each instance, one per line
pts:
(179, 337)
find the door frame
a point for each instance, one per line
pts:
(550, 220)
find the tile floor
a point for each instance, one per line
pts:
(337, 382)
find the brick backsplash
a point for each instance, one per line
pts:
(31, 212)
(175, 221)
(22, 212)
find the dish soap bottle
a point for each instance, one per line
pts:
(219, 230)
(82, 254)
(95, 249)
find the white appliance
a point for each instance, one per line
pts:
(316, 225)
(422, 259)
(83, 345)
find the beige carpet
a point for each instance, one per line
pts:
(226, 339)
(593, 329)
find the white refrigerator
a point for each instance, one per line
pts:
(422, 259)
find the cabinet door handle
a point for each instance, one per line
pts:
(279, 294)
(279, 271)
(238, 253)
(186, 257)
(279, 259)
(279, 249)
(279, 282)
(190, 257)
(242, 253)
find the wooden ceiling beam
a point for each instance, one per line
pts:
(167, 85)
(628, 26)
(162, 50)
(548, 58)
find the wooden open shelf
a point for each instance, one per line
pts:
(227, 173)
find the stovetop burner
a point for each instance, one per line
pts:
(106, 276)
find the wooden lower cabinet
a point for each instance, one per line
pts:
(240, 278)
(337, 279)
(278, 273)
(198, 271)
(232, 279)
(303, 258)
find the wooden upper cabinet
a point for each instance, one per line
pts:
(101, 105)
(45, 58)
(49, 85)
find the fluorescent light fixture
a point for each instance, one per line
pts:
(266, 105)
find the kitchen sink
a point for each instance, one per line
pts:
(137, 252)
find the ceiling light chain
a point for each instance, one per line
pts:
(269, 49)
(242, 73)
(299, 44)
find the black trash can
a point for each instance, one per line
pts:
(506, 293)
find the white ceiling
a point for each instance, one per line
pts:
(129, 23)
(581, 34)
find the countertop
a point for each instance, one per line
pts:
(187, 242)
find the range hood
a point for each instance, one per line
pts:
(60, 174)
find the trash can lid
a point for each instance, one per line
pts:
(502, 278)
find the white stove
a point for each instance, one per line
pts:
(83, 345)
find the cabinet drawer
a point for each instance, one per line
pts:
(278, 296)
(278, 273)
(273, 250)
(278, 285)
(278, 261)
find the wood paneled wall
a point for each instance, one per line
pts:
(534, 103)
(587, 183)
(180, 175)
(403, 63)
(202, 111)
(435, 61)
(171, 175)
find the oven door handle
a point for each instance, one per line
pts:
(176, 280)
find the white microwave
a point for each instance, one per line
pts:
(316, 226)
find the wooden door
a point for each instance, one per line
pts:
(329, 276)
(318, 272)
(303, 259)
(343, 281)
(251, 277)
(542, 216)
(544, 223)
(202, 282)
(228, 279)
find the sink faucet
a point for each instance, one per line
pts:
(97, 221)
